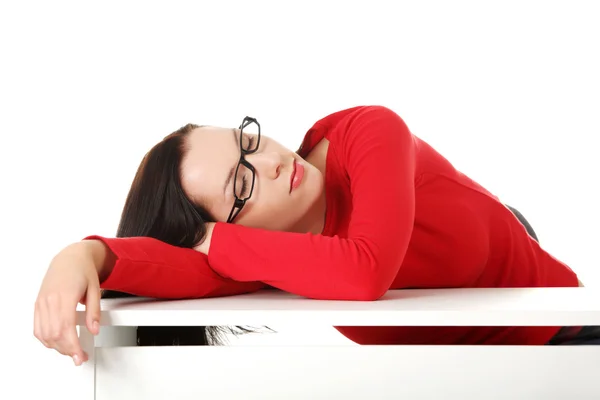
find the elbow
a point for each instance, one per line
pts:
(372, 274)
(369, 293)
(372, 287)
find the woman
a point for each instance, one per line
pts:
(362, 207)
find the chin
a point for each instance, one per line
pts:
(315, 188)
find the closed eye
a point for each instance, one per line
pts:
(251, 140)
(244, 185)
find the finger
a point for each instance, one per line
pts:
(69, 345)
(37, 325)
(92, 309)
(68, 341)
(58, 319)
(46, 323)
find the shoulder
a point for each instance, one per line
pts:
(349, 115)
(352, 123)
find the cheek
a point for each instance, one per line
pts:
(264, 207)
(271, 200)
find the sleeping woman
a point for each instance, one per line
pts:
(362, 207)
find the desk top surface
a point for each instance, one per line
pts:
(419, 307)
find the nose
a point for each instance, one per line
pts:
(266, 164)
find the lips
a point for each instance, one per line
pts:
(296, 176)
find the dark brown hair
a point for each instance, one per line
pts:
(157, 207)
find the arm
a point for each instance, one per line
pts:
(378, 152)
(75, 274)
(145, 266)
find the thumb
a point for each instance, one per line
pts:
(92, 309)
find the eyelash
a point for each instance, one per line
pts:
(244, 180)
(244, 185)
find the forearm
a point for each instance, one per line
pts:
(144, 266)
(313, 266)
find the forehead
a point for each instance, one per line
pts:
(210, 154)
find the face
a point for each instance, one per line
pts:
(275, 203)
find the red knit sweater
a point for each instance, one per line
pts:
(399, 215)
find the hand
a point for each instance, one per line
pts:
(71, 277)
(204, 247)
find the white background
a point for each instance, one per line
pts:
(508, 92)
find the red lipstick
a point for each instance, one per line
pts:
(297, 175)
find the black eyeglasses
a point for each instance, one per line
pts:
(243, 181)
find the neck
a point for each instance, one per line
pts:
(319, 212)
(314, 220)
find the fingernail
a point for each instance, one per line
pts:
(76, 360)
(96, 326)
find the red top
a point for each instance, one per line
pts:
(399, 215)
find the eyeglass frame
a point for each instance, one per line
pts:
(239, 203)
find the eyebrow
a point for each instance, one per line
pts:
(232, 170)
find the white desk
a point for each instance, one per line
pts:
(119, 370)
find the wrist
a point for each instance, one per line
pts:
(102, 257)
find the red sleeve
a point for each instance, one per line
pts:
(377, 150)
(151, 268)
